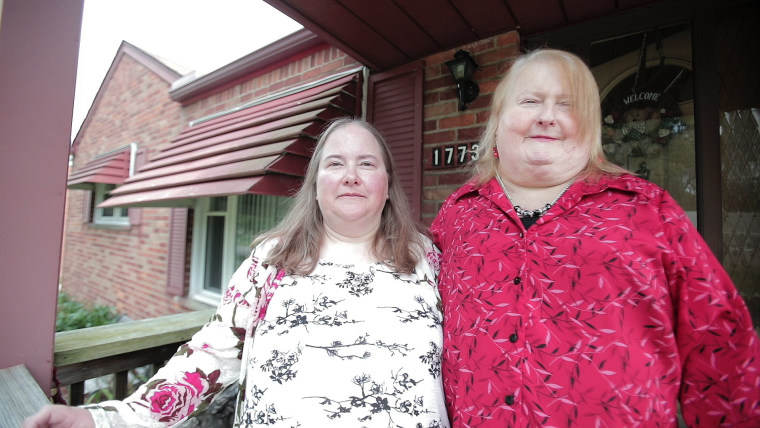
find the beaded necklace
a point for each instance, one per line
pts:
(532, 213)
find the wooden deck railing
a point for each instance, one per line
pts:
(118, 348)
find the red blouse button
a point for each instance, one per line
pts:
(517, 281)
(510, 400)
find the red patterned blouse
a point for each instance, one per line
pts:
(606, 313)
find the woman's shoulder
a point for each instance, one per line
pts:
(471, 195)
(471, 187)
(472, 198)
(429, 259)
(627, 183)
(629, 188)
(261, 251)
(425, 240)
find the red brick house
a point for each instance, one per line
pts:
(117, 256)
(203, 165)
(247, 129)
(405, 90)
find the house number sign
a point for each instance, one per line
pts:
(454, 155)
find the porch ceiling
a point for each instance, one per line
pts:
(383, 34)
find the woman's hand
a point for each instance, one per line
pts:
(57, 416)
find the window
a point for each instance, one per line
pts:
(118, 216)
(223, 231)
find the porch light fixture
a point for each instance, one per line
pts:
(462, 67)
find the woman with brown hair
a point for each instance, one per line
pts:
(334, 320)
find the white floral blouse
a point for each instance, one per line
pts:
(346, 345)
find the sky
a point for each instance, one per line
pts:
(199, 35)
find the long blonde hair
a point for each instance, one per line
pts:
(585, 96)
(299, 235)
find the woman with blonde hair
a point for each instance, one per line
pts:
(575, 293)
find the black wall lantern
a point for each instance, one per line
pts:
(462, 67)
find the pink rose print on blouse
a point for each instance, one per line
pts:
(434, 259)
(233, 295)
(252, 269)
(273, 283)
(174, 401)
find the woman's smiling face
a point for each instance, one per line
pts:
(352, 181)
(538, 133)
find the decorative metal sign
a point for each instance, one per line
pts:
(639, 123)
(452, 156)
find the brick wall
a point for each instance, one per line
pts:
(317, 63)
(444, 124)
(123, 267)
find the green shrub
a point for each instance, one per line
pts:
(73, 315)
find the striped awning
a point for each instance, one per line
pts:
(261, 149)
(109, 168)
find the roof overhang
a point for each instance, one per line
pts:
(109, 168)
(185, 195)
(263, 148)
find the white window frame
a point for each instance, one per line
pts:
(198, 264)
(231, 257)
(120, 215)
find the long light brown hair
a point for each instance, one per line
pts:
(398, 241)
(585, 97)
